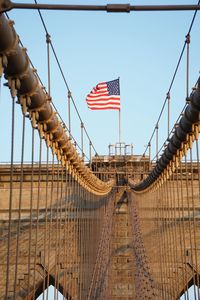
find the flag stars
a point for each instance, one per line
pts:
(113, 87)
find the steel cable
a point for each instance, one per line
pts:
(20, 205)
(11, 195)
(36, 225)
(173, 79)
(63, 76)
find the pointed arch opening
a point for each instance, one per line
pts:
(51, 292)
(192, 293)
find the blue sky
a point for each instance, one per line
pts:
(141, 48)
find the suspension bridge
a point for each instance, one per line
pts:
(120, 226)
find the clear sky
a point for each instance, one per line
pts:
(141, 48)
(51, 294)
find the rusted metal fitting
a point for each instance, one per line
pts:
(187, 38)
(48, 38)
(33, 120)
(5, 5)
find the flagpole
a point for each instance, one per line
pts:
(119, 126)
(119, 121)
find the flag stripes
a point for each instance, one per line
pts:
(106, 95)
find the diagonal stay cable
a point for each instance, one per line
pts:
(172, 81)
(173, 128)
(154, 158)
(63, 76)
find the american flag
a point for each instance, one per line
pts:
(106, 95)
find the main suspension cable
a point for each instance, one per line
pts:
(57, 112)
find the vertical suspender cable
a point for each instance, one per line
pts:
(159, 203)
(90, 149)
(81, 241)
(168, 237)
(69, 111)
(198, 178)
(46, 280)
(149, 155)
(174, 224)
(196, 269)
(31, 210)
(56, 229)
(82, 144)
(20, 204)
(157, 126)
(46, 225)
(65, 217)
(48, 41)
(186, 165)
(183, 216)
(168, 114)
(180, 231)
(70, 230)
(77, 206)
(50, 235)
(187, 64)
(37, 217)
(190, 222)
(60, 245)
(10, 196)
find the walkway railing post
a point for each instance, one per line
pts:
(48, 41)
(149, 145)
(187, 64)
(82, 143)
(168, 114)
(69, 112)
(90, 146)
(157, 126)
